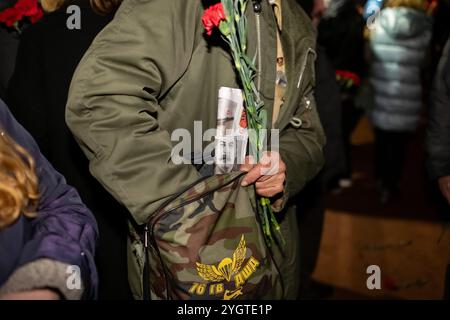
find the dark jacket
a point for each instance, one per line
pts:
(438, 135)
(341, 33)
(64, 229)
(399, 45)
(9, 42)
(329, 107)
(48, 55)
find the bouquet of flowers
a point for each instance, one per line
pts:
(347, 79)
(19, 13)
(229, 17)
(349, 83)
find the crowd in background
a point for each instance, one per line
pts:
(379, 64)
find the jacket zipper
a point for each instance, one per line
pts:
(305, 63)
(300, 81)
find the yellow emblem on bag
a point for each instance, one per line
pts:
(229, 270)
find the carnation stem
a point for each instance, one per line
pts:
(236, 38)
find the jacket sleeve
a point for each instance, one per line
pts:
(64, 229)
(113, 102)
(301, 147)
(438, 135)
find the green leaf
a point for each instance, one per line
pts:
(249, 63)
(263, 117)
(224, 28)
(228, 9)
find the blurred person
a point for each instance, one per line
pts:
(45, 229)
(399, 44)
(316, 9)
(341, 33)
(438, 135)
(310, 201)
(48, 55)
(441, 31)
(371, 8)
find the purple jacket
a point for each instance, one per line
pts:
(64, 230)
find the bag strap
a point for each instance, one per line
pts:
(198, 189)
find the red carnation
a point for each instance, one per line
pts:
(37, 16)
(10, 16)
(22, 8)
(212, 17)
(389, 283)
(349, 76)
(29, 8)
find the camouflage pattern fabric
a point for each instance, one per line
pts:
(206, 243)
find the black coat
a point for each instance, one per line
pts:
(342, 36)
(330, 111)
(9, 42)
(48, 54)
(438, 135)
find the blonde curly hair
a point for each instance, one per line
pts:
(413, 4)
(100, 6)
(18, 182)
(51, 5)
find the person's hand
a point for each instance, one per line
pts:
(444, 185)
(38, 294)
(269, 175)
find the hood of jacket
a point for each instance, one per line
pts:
(404, 23)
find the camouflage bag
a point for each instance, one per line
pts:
(207, 243)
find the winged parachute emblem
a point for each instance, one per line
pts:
(227, 268)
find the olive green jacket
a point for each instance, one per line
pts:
(152, 70)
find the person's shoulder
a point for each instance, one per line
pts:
(136, 9)
(146, 13)
(132, 5)
(302, 20)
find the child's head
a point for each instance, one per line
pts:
(18, 182)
